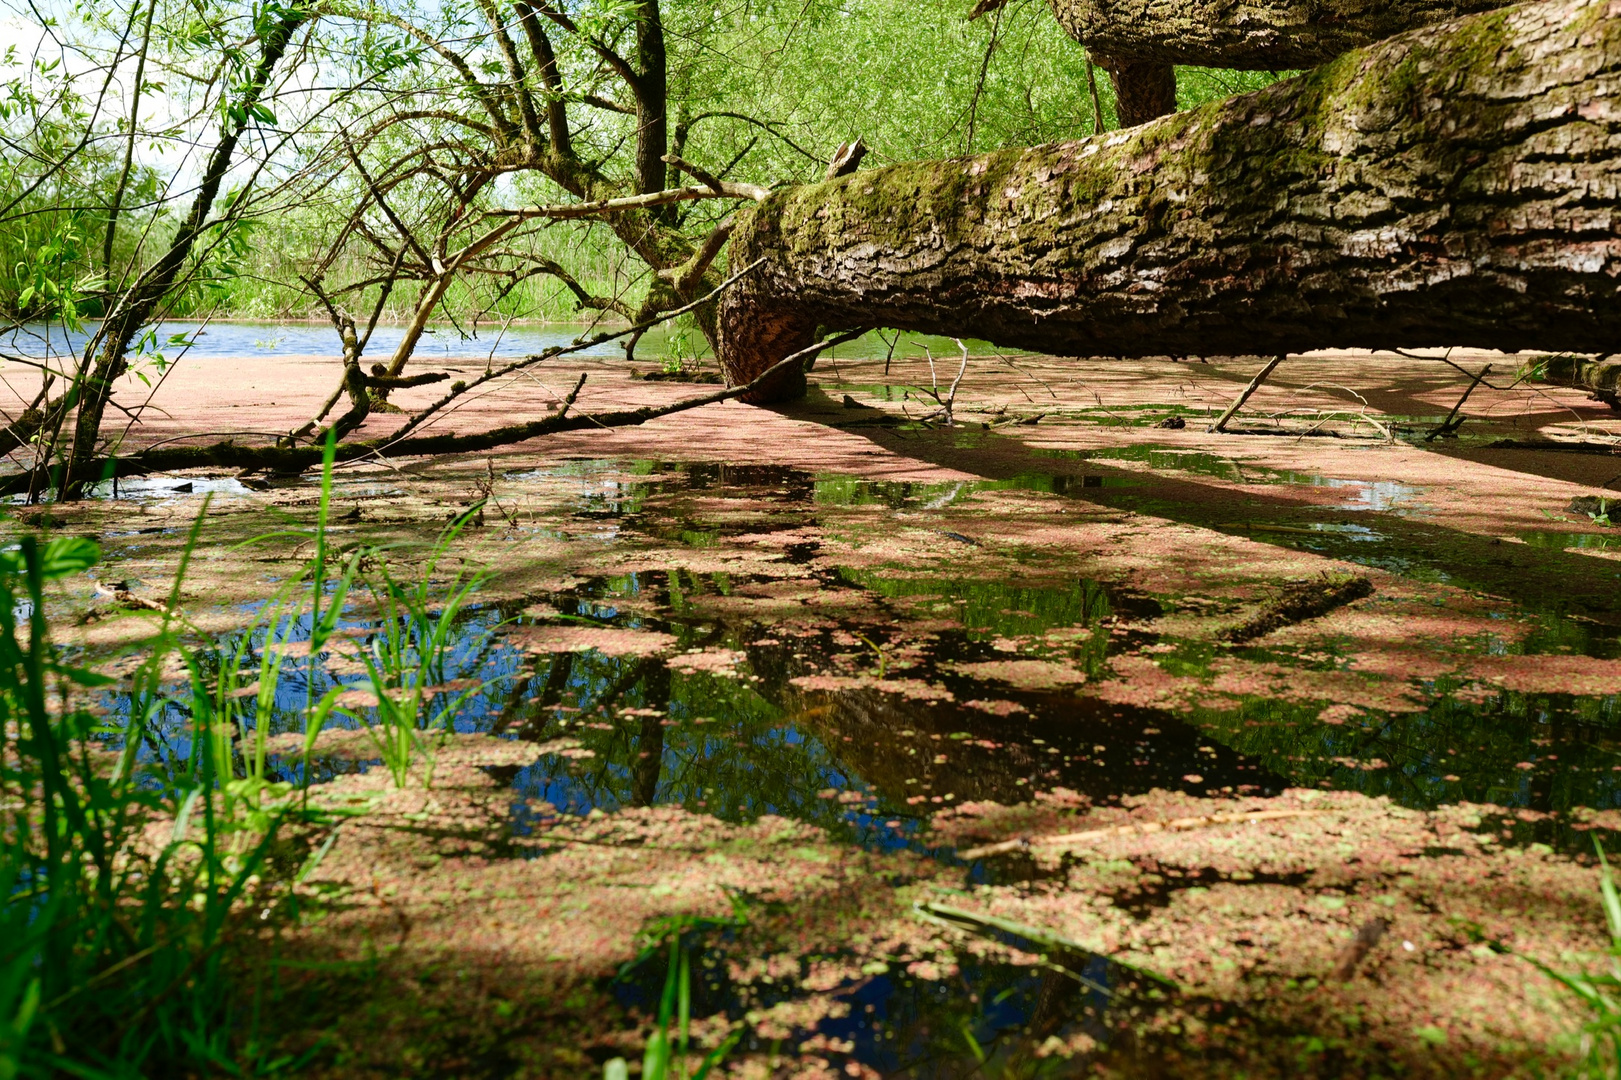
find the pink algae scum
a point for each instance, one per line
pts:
(494, 920)
(1260, 913)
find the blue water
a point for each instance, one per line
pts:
(219, 340)
(236, 340)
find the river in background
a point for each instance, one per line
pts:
(218, 340)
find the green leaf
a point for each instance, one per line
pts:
(656, 1061)
(25, 1011)
(1612, 902)
(68, 555)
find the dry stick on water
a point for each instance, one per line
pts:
(950, 400)
(120, 592)
(1255, 383)
(1146, 828)
(1454, 420)
(1362, 414)
(1300, 601)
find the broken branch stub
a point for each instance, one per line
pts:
(1450, 425)
(1600, 378)
(846, 159)
(1396, 196)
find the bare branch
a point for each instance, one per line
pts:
(685, 276)
(567, 211)
(563, 350)
(704, 177)
(231, 454)
(764, 125)
(620, 65)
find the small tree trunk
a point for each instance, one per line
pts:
(138, 304)
(1144, 90)
(1452, 186)
(1265, 35)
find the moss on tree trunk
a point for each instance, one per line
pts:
(1455, 185)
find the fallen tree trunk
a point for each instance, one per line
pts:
(1262, 35)
(1599, 377)
(1452, 186)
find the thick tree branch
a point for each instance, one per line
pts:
(289, 460)
(1266, 35)
(540, 47)
(686, 276)
(519, 82)
(619, 64)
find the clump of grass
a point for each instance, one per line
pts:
(669, 1046)
(111, 941)
(135, 855)
(1599, 992)
(408, 658)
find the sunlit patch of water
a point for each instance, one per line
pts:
(1384, 496)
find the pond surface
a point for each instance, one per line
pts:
(912, 692)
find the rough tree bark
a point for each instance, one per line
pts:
(1263, 35)
(1455, 185)
(1144, 90)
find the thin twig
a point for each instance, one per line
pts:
(563, 350)
(1453, 420)
(1254, 384)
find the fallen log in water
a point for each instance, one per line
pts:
(1601, 378)
(1455, 185)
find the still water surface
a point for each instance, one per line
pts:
(869, 766)
(218, 340)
